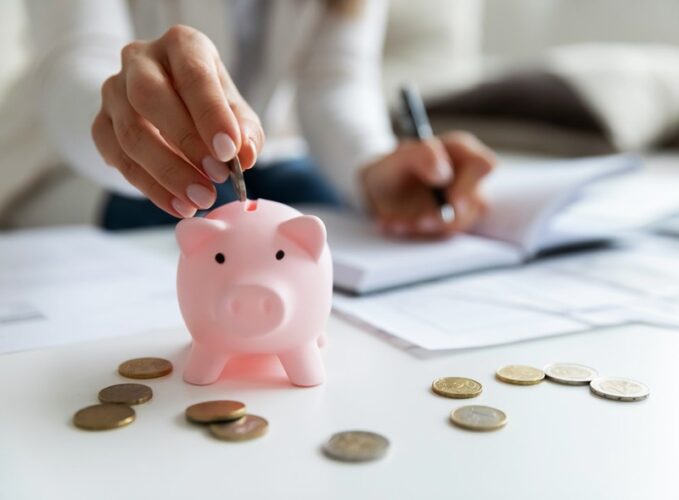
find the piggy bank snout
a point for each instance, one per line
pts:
(252, 310)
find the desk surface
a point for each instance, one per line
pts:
(560, 442)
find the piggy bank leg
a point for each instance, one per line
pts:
(304, 365)
(204, 365)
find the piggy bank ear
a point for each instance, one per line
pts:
(194, 232)
(306, 231)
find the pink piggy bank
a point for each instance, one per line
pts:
(254, 277)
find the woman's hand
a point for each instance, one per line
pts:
(398, 187)
(172, 117)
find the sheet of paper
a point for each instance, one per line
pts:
(65, 285)
(525, 198)
(432, 320)
(634, 200)
(549, 297)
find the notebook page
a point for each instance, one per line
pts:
(523, 200)
(365, 261)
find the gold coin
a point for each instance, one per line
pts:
(145, 368)
(520, 375)
(210, 412)
(243, 429)
(104, 416)
(129, 394)
(478, 418)
(456, 387)
(356, 446)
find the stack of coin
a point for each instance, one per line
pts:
(116, 400)
(227, 420)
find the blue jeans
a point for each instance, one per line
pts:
(290, 181)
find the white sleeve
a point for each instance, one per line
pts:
(77, 46)
(340, 105)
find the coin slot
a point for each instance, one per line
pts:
(250, 205)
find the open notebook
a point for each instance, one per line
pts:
(528, 214)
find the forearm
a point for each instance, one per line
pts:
(346, 127)
(341, 108)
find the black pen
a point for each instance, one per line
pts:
(417, 125)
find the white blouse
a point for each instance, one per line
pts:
(331, 61)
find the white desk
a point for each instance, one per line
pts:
(560, 442)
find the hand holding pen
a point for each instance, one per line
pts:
(428, 187)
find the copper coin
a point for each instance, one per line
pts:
(209, 412)
(103, 417)
(128, 394)
(141, 368)
(243, 429)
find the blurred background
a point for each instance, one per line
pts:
(554, 77)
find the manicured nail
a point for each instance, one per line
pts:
(215, 170)
(429, 224)
(444, 171)
(183, 208)
(224, 146)
(200, 195)
(253, 148)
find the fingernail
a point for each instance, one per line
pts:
(215, 170)
(444, 171)
(224, 146)
(200, 195)
(429, 224)
(254, 150)
(183, 208)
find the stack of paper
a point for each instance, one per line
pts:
(551, 297)
(64, 285)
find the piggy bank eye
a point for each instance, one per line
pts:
(280, 254)
(220, 258)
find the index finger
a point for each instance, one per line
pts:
(191, 60)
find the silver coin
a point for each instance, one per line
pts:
(478, 418)
(237, 178)
(619, 389)
(570, 373)
(356, 446)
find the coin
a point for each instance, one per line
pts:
(129, 394)
(243, 429)
(356, 446)
(570, 373)
(237, 178)
(619, 389)
(104, 416)
(478, 418)
(145, 368)
(520, 375)
(210, 412)
(456, 387)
